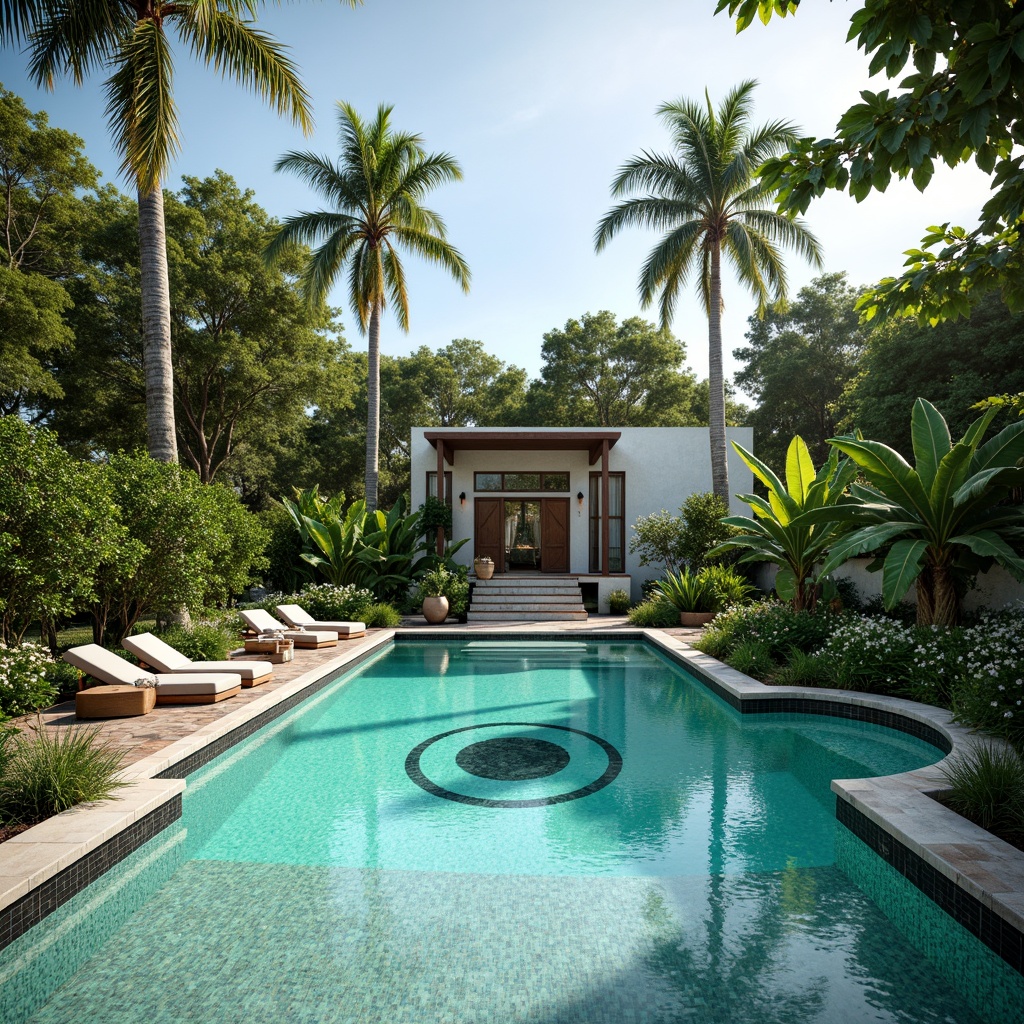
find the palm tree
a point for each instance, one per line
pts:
(375, 188)
(707, 197)
(129, 38)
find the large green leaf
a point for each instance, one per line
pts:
(767, 476)
(1005, 449)
(976, 431)
(868, 538)
(785, 583)
(902, 566)
(990, 545)
(799, 469)
(889, 472)
(930, 437)
(977, 483)
(951, 474)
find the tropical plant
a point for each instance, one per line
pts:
(338, 537)
(987, 786)
(76, 37)
(326, 602)
(444, 582)
(783, 530)
(396, 552)
(375, 189)
(707, 199)
(688, 591)
(382, 616)
(941, 521)
(728, 585)
(619, 602)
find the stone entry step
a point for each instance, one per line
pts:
(529, 599)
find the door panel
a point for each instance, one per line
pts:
(554, 534)
(489, 530)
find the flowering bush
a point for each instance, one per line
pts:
(770, 624)
(24, 685)
(991, 670)
(327, 602)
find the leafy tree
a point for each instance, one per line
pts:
(798, 362)
(57, 525)
(602, 374)
(707, 200)
(76, 37)
(375, 189)
(685, 540)
(941, 521)
(42, 170)
(954, 365)
(961, 102)
(251, 358)
(187, 544)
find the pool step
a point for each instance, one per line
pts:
(531, 599)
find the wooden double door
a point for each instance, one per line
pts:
(491, 539)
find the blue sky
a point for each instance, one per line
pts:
(540, 102)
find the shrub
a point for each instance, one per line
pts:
(382, 616)
(201, 641)
(801, 669)
(773, 624)
(753, 659)
(24, 682)
(445, 582)
(618, 602)
(987, 786)
(57, 524)
(286, 571)
(703, 529)
(654, 614)
(53, 769)
(329, 602)
(990, 690)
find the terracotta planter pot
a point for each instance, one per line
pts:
(483, 570)
(435, 609)
(695, 618)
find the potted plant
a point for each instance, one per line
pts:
(433, 594)
(483, 567)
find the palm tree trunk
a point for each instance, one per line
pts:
(716, 383)
(373, 409)
(938, 603)
(156, 327)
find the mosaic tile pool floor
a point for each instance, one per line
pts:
(315, 878)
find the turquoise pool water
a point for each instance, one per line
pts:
(478, 833)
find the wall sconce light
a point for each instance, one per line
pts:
(579, 498)
(462, 499)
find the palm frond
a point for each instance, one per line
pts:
(72, 37)
(252, 57)
(311, 229)
(394, 279)
(644, 211)
(320, 174)
(140, 109)
(668, 266)
(436, 250)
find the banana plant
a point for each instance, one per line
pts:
(337, 536)
(939, 522)
(783, 529)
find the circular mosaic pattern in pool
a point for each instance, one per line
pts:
(512, 758)
(515, 759)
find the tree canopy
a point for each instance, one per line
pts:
(961, 101)
(799, 363)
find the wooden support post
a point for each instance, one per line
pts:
(440, 493)
(605, 528)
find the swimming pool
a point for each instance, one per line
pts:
(492, 832)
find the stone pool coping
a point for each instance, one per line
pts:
(897, 815)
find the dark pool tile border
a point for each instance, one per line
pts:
(21, 915)
(193, 762)
(780, 705)
(999, 935)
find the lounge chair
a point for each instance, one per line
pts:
(296, 617)
(154, 653)
(260, 621)
(112, 670)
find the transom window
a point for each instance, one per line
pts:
(521, 481)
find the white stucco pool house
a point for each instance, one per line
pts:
(549, 501)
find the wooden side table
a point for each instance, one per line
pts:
(114, 701)
(275, 651)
